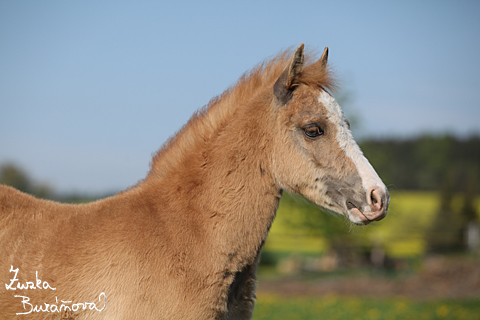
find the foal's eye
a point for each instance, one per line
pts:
(313, 131)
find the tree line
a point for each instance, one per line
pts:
(425, 162)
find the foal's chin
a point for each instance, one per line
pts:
(356, 216)
(362, 218)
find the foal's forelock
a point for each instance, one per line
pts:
(369, 201)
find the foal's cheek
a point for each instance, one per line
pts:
(322, 155)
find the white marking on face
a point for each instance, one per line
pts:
(370, 178)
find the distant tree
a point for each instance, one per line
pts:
(445, 233)
(13, 176)
(419, 163)
(433, 158)
(471, 228)
(468, 211)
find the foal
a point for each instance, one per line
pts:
(184, 243)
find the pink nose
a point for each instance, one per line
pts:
(379, 205)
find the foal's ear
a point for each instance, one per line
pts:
(322, 62)
(287, 81)
(324, 58)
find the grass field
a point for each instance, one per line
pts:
(401, 233)
(302, 229)
(338, 308)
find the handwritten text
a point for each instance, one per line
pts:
(38, 284)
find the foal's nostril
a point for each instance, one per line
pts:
(376, 199)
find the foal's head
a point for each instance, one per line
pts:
(315, 153)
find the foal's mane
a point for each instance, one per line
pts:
(219, 109)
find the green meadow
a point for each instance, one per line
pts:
(301, 229)
(269, 307)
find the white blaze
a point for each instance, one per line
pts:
(370, 178)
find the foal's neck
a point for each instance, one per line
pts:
(223, 183)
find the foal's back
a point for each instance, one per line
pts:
(117, 253)
(38, 238)
(58, 251)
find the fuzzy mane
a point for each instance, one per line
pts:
(205, 121)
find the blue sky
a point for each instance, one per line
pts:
(89, 90)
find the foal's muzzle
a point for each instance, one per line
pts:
(376, 209)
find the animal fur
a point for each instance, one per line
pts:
(183, 243)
